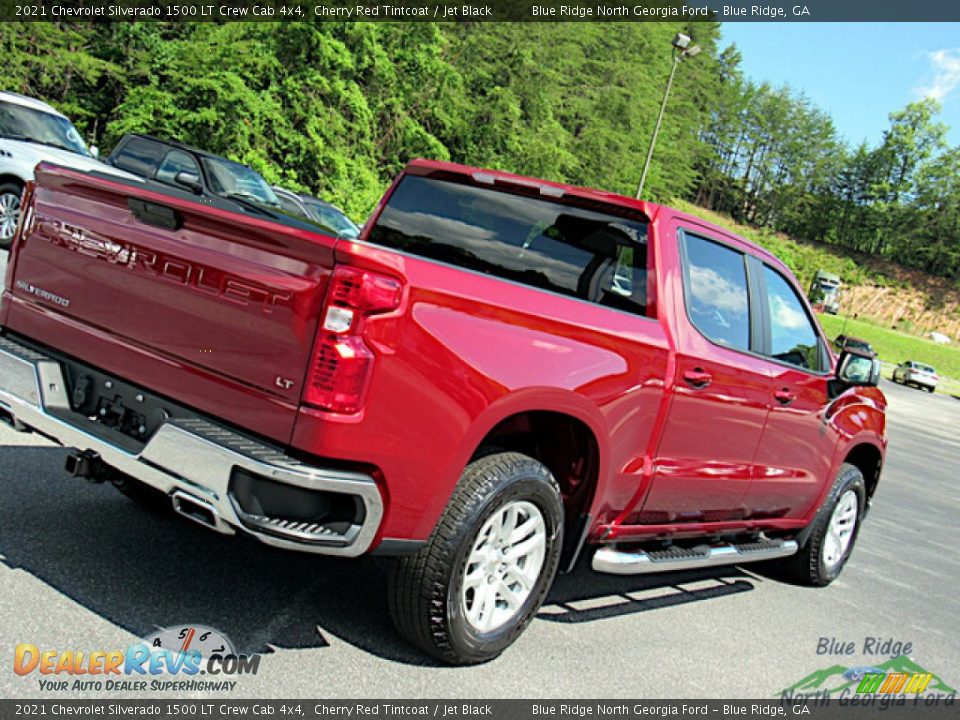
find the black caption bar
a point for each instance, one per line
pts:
(481, 11)
(861, 706)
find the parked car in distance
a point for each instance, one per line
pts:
(916, 373)
(187, 168)
(32, 131)
(846, 342)
(319, 211)
(825, 292)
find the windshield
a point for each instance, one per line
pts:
(332, 218)
(230, 178)
(18, 122)
(926, 369)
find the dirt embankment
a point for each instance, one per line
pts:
(908, 301)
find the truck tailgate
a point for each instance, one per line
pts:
(212, 308)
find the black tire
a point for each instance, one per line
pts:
(9, 188)
(931, 390)
(807, 567)
(425, 589)
(141, 493)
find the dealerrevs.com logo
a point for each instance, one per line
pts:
(172, 659)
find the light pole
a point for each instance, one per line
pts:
(681, 49)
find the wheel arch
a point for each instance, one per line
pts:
(565, 433)
(868, 459)
(8, 177)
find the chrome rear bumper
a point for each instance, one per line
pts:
(191, 460)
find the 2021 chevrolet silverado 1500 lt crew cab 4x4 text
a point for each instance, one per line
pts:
(498, 374)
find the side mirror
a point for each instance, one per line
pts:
(95, 151)
(189, 180)
(858, 370)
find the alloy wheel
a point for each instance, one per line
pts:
(9, 214)
(839, 535)
(504, 565)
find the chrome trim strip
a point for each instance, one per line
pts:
(619, 562)
(190, 456)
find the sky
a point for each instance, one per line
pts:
(857, 72)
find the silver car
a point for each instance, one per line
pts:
(915, 373)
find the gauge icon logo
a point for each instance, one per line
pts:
(180, 639)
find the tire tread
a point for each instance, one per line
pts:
(417, 589)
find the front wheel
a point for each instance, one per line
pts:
(480, 579)
(833, 535)
(9, 212)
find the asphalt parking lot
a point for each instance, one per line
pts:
(83, 568)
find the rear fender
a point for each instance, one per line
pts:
(540, 400)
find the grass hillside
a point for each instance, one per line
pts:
(886, 291)
(885, 304)
(803, 258)
(896, 347)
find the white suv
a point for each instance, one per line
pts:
(30, 132)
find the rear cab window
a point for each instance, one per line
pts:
(589, 254)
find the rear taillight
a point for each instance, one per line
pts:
(342, 364)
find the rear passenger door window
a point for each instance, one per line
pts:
(793, 337)
(290, 205)
(175, 163)
(138, 156)
(717, 293)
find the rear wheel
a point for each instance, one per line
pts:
(834, 533)
(484, 573)
(9, 212)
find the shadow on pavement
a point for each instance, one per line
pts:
(585, 596)
(142, 569)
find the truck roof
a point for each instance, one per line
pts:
(179, 146)
(420, 166)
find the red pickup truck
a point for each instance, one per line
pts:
(498, 374)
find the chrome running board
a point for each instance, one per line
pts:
(622, 562)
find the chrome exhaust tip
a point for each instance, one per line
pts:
(200, 511)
